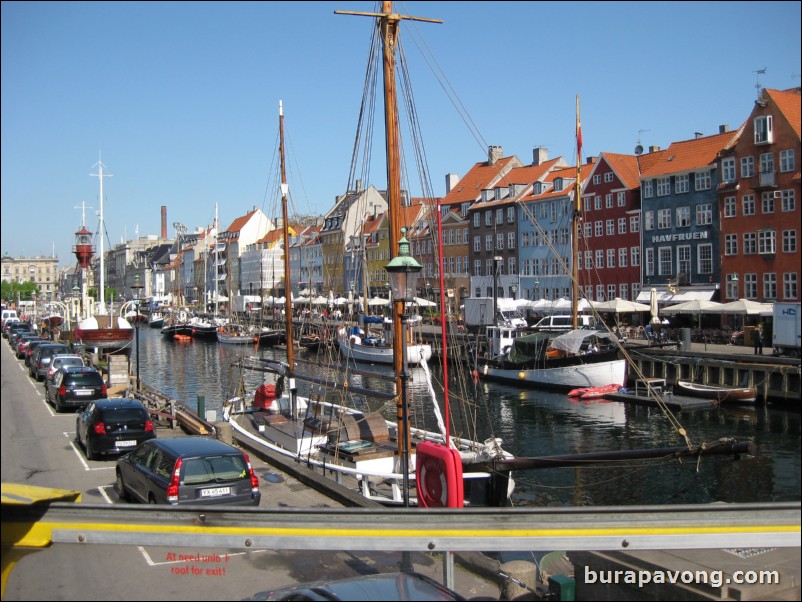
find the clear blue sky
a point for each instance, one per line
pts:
(180, 99)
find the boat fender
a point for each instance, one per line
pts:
(623, 390)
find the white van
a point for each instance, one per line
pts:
(563, 323)
(8, 314)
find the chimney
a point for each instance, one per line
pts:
(698, 135)
(451, 181)
(494, 153)
(590, 160)
(540, 155)
(654, 149)
(164, 222)
(723, 128)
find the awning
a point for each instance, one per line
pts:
(666, 296)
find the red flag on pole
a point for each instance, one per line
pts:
(578, 131)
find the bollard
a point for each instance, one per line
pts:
(202, 406)
(518, 580)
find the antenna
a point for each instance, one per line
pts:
(758, 73)
(180, 229)
(639, 148)
(83, 207)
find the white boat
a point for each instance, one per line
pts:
(377, 348)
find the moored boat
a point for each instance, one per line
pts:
(721, 393)
(594, 392)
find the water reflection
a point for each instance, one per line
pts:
(539, 423)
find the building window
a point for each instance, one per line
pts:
(683, 217)
(488, 242)
(610, 227)
(477, 243)
(621, 198)
(624, 291)
(511, 265)
(588, 230)
(767, 242)
(648, 189)
(763, 129)
(648, 220)
(704, 214)
(665, 263)
(663, 219)
(705, 259)
(599, 228)
(510, 240)
(610, 258)
(702, 180)
(634, 223)
(599, 259)
(500, 241)
(728, 169)
(790, 286)
(748, 204)
(684, 260)
(622, 257)
(648, 258)
(622, 225)
(499, 216)
(730, 244)
(747, 167)
(767, 167)
(488, 218)
(608, 177)
(789, 241)
(729, 206)
(769, 285)
(663, 186)
(789, 200)
(608, 201)
(787, 160)
(635, 290)
(750, 286)
(597, 178)
(732, 286)
(750, 243)
(588, 260)
(611, 291)
(597, 202)
(767, 202)
(681, 185)
(634, 255)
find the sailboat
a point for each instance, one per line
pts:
(577, 359)
(99, 330)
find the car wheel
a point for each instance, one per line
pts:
(90, 452)
(119, 486)
(58, 406)
(151, 499)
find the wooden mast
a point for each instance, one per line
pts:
(575, 224)
(286, 241)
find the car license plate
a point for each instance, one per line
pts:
(216, 492)
(83, 391)
(126, 444)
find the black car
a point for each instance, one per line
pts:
(112, 426)
(32, 345)
(75, 387)
(14, 327)
(187, 470)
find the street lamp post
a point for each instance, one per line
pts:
(514, 289)
(136, 287)
(403, 273)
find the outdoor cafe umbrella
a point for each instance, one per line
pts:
(421, 302)
(620, 306)
(653, 306)
(744, 307)
(696, 306)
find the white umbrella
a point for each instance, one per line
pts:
(319, 300)
(696, 306)
(744, 306)
(378, 301)
(653, 306)
(620, 306)
(420, 302)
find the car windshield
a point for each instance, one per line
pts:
(213, 469)
(91, 379)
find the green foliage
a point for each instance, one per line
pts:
(25, 290)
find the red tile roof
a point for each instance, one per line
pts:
(478, 178)
(787, 102)
(625, 167)
(687, 155)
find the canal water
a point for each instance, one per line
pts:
(532, 422)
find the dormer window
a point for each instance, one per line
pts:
(558, 184)
(538, 188)
(763, 130)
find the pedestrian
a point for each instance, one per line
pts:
(757, 338)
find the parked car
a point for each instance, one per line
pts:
(384, 586)
(31, 347)
(9, 324)
(75, 387)
(564, 323)
(112, 426)
(40, 360)
(187, 470)
(60, 360)
(12, 328)
(21, 340)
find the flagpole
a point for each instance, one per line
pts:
(577, 216)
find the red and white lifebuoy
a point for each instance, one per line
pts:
(433, 485)
(439, 476)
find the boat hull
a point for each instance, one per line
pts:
(416, 354)
(104, 332)
(565, 377)
(720, 394)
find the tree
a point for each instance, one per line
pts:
(24, 291)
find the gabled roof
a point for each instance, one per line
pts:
(787, 102)
(478, 178)
(625, 167)
(687, 155)
(568, 174)
(239, 223)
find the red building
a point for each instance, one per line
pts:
(759, 203)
